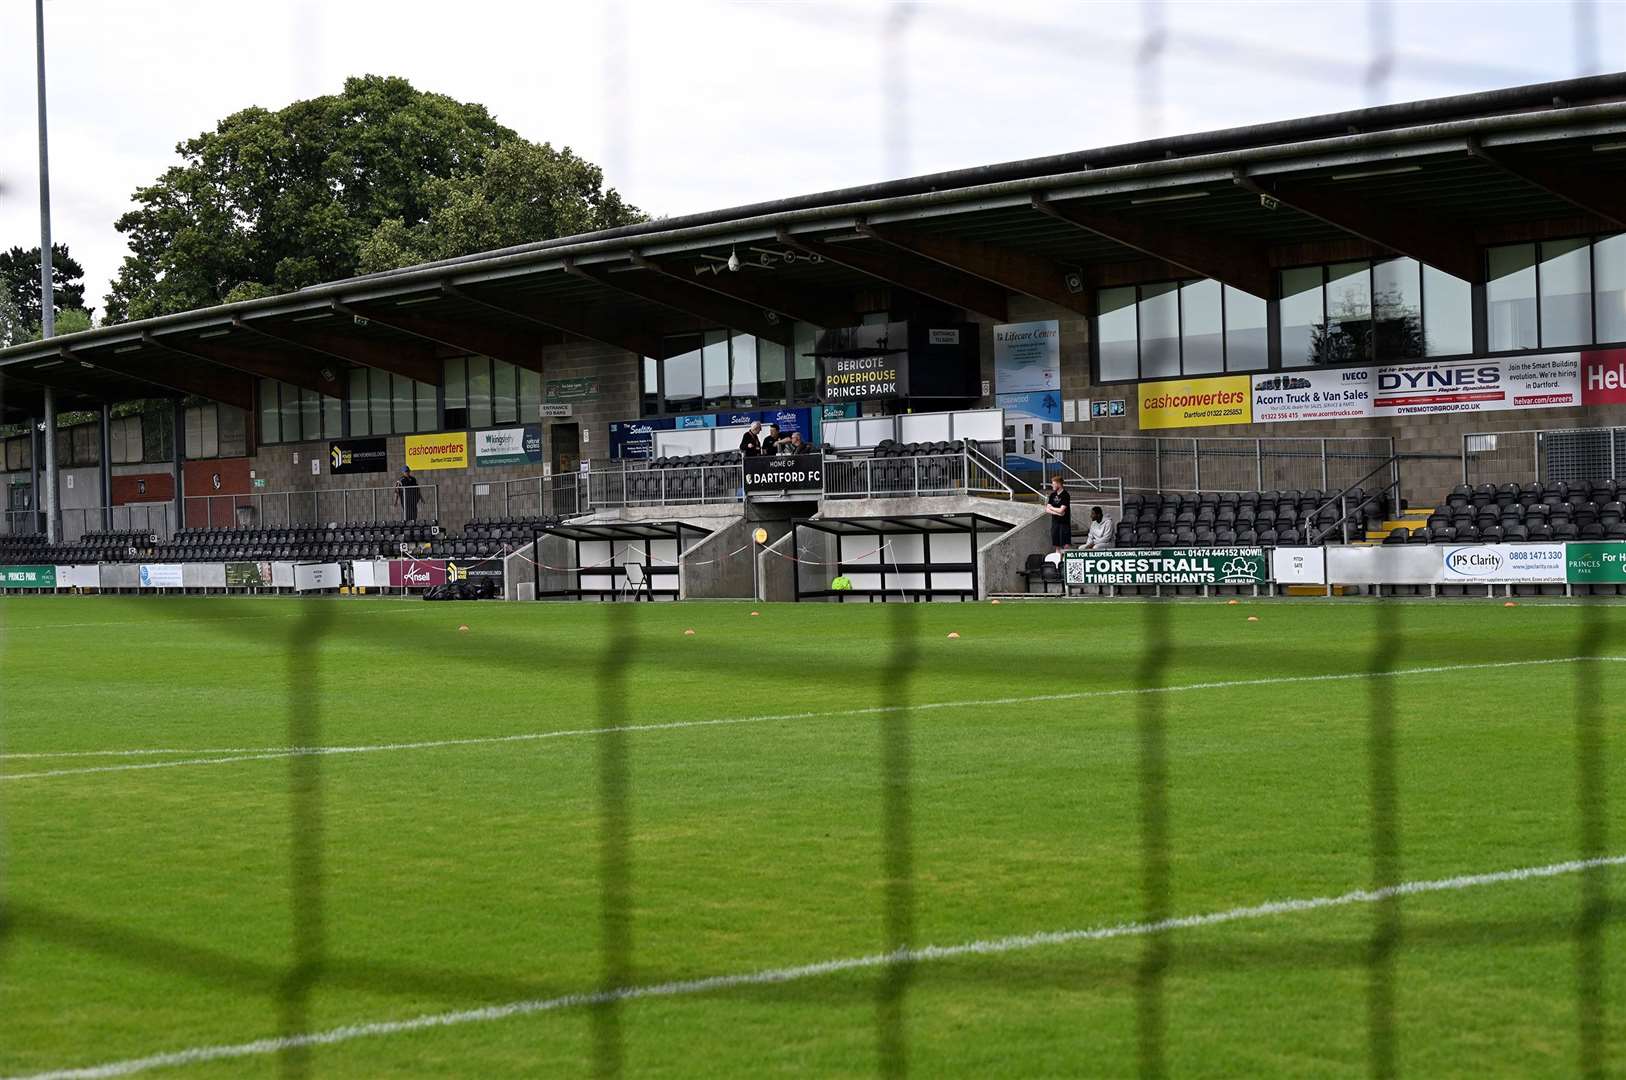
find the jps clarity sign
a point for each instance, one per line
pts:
(1169, 566)
(1505, 564)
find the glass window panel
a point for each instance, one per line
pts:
(1349, 314)
(1247, 333)
(270, 418)
(310, 411)
(504, 392)
(332, 417)
(194, 432)
(650, 402)
(743, 361)
(1202, 345)
(1115, 334)
(807, 365)
(456, 383)
(426, 407)
(358, 401)
(233, 432)
(479, 391)
(1609, 270)
(1510, 297)
(770, 372)
(714, 358)
(86, 450)
(208, 433)
(291, 426)
(530, 393)
(1448, 314)
(1566, 293)
(1397, 309)
(683, 373)
(378, 401)
(403, 405)
(1159, 331)
(1301, 315)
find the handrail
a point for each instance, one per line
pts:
(998, 471)
(1091, 483)
(1312, 538)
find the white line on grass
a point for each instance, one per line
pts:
(773, 976)
(231, 755)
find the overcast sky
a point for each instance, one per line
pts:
(694, 105)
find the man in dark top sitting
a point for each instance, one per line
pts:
(750, 442)
(1060, 508)
(406, 493)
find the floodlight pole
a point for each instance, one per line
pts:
(47, 296)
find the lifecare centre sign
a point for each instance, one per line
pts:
(1169, 566)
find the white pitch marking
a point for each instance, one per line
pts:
(271, 753)
(773, 976)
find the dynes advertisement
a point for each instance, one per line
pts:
(416, 573)
(784, 472)
(1538, 381)
(1170, 566)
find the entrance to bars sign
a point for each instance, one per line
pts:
(1168, 566)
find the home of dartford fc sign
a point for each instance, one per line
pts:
(1169, 566)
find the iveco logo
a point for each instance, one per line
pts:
(1473, 562)
(1359, 375)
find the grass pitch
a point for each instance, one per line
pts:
(770, 794)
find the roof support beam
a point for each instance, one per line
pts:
(1604, 199)
(1016, 271)
(572, 320)
(1230, 260)
(521, 350)
(410, 359)
(679, 296)
(260, 365)
(918, 275)
(1440, 244)
(758, 289)
(176, 376)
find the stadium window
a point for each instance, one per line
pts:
(682, 368)
(1159, 316)
(457, 392)
(530, 395)
(804, 339)
(402, 412)
(1510, 298)
(1167, 329)
(1202, 333)
(1117, 335)
(289, 414)
(87, 448)
(1448, 316)
(504, 392)
(270, 412)
(232, 429)
(1397, 309)
(1564, 282)
(19, 454)
(479, 391)
(722, 369)
(1347, 334)
(651, 401)
(1247, 333)
(1609, 287)
(714, 368)
(771, 357)
(1302, 317)
(1381, 310)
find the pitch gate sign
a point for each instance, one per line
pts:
(1169, 566)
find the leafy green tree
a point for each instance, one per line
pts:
(527, 191)
(20, 280)
(269, 202)
(14, 329)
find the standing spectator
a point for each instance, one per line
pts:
(751, 441)
(770, 441)
(406, 493)
(1060, 508)
(1100, 538)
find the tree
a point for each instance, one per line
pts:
(269, 202)
(20, 278)
(14, 328)
(527, 192)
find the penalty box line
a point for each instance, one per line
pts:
(774, 976)
(232, 755)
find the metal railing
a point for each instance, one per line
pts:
(1537, 455)
(523, 496)
(76, 521)
(270, 509)
(1107, 490)
(1156, 463)
(1341, 500)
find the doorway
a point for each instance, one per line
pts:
(566, 440)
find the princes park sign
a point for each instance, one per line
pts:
(1168, 566)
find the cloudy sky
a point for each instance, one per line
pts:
(692, 105)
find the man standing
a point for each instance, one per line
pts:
(770, 441)
(406, 493)
(751, 441)
(1100, 538)
(1060, 508)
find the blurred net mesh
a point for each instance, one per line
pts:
(1145, 464)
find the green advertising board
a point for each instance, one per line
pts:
(583, 389)
(1168, 566)
(247, 575)
(28, 577)
(1595, 564)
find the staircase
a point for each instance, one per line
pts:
(1409, 519)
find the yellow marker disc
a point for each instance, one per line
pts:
(761, 536)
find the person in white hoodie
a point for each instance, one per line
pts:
(1101, 534)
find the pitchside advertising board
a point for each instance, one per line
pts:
(160, 576)
(417, 573)
(1537, 381)
(779, 474)
(1169, 566)
(27, 577)
(1504, 564)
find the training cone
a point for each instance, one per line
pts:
(1253, 618)
(463, 629)
(756, 613)
(688, 633)
(1510, 604)
(953, 634)
(995, 600)
(1233, 601)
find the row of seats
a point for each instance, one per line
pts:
(1505, 534)
(888, 448)
(1161, 519)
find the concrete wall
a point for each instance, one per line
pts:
(711, 569)
(1001, 560)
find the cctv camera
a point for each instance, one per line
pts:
(733, 260)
